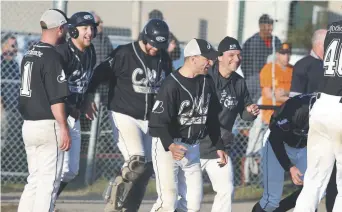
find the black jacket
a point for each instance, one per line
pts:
(290, 125)
(234, 97)
(134, 79)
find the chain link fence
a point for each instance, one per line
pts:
(121, 25)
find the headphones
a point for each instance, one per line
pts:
(73, 31)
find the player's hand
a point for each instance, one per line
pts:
(178, 151)
(223, 157)
(253, 109)
(65, 138)
(295, 175)
(91, 111)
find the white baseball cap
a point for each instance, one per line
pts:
(52, 18)
(200, 47)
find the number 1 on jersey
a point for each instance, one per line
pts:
(333, 59)
(25, 89)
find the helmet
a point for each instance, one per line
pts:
(156, 33)
(81, 19)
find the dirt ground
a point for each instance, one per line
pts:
(98, 206)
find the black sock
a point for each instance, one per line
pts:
(61, 188)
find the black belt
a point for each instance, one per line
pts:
(189, 141)
(319, 96)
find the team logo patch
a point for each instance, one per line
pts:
(61, 78)
(160, 39)
(208, 45)
(158, 107)
(284, 124)
(88, 17)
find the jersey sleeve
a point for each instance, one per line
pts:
(213, 123)
(299, 79)
(162, 114)
(106, 70)
(278, 147)
(55, 80)
(245, 101)
(280, 126)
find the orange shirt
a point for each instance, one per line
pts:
(282, 78)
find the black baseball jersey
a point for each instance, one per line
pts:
(134, 79)
(43, 82)
(289, 124)
(185, 108)
(234, 97)
(79, 68)
(332, 62)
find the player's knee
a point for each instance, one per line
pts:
(135, 168)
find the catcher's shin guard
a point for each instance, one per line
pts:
(116, 193)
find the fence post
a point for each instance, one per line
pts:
(61, 5)
(94, 132)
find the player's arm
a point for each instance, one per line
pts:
(57, 90)
(299, 79)
(213, 123)
(163, 112)
(106, 70)
(276, 141)
(248, 110)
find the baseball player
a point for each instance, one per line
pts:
(42, 105)
(233, 95)
(135, 72)
(325, 134)
(186, 109)
(284, 149)
(79, 59)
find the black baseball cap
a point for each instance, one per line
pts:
(265, 19)
(82, 19)
(200, 47)
(284, 48)
(229, 43)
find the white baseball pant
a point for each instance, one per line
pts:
(132, 136)
(324, 146)
(222, 180)
(173, 178)
(273, 173)
(44, 158)
(71, 162)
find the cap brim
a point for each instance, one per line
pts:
(212, 55)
